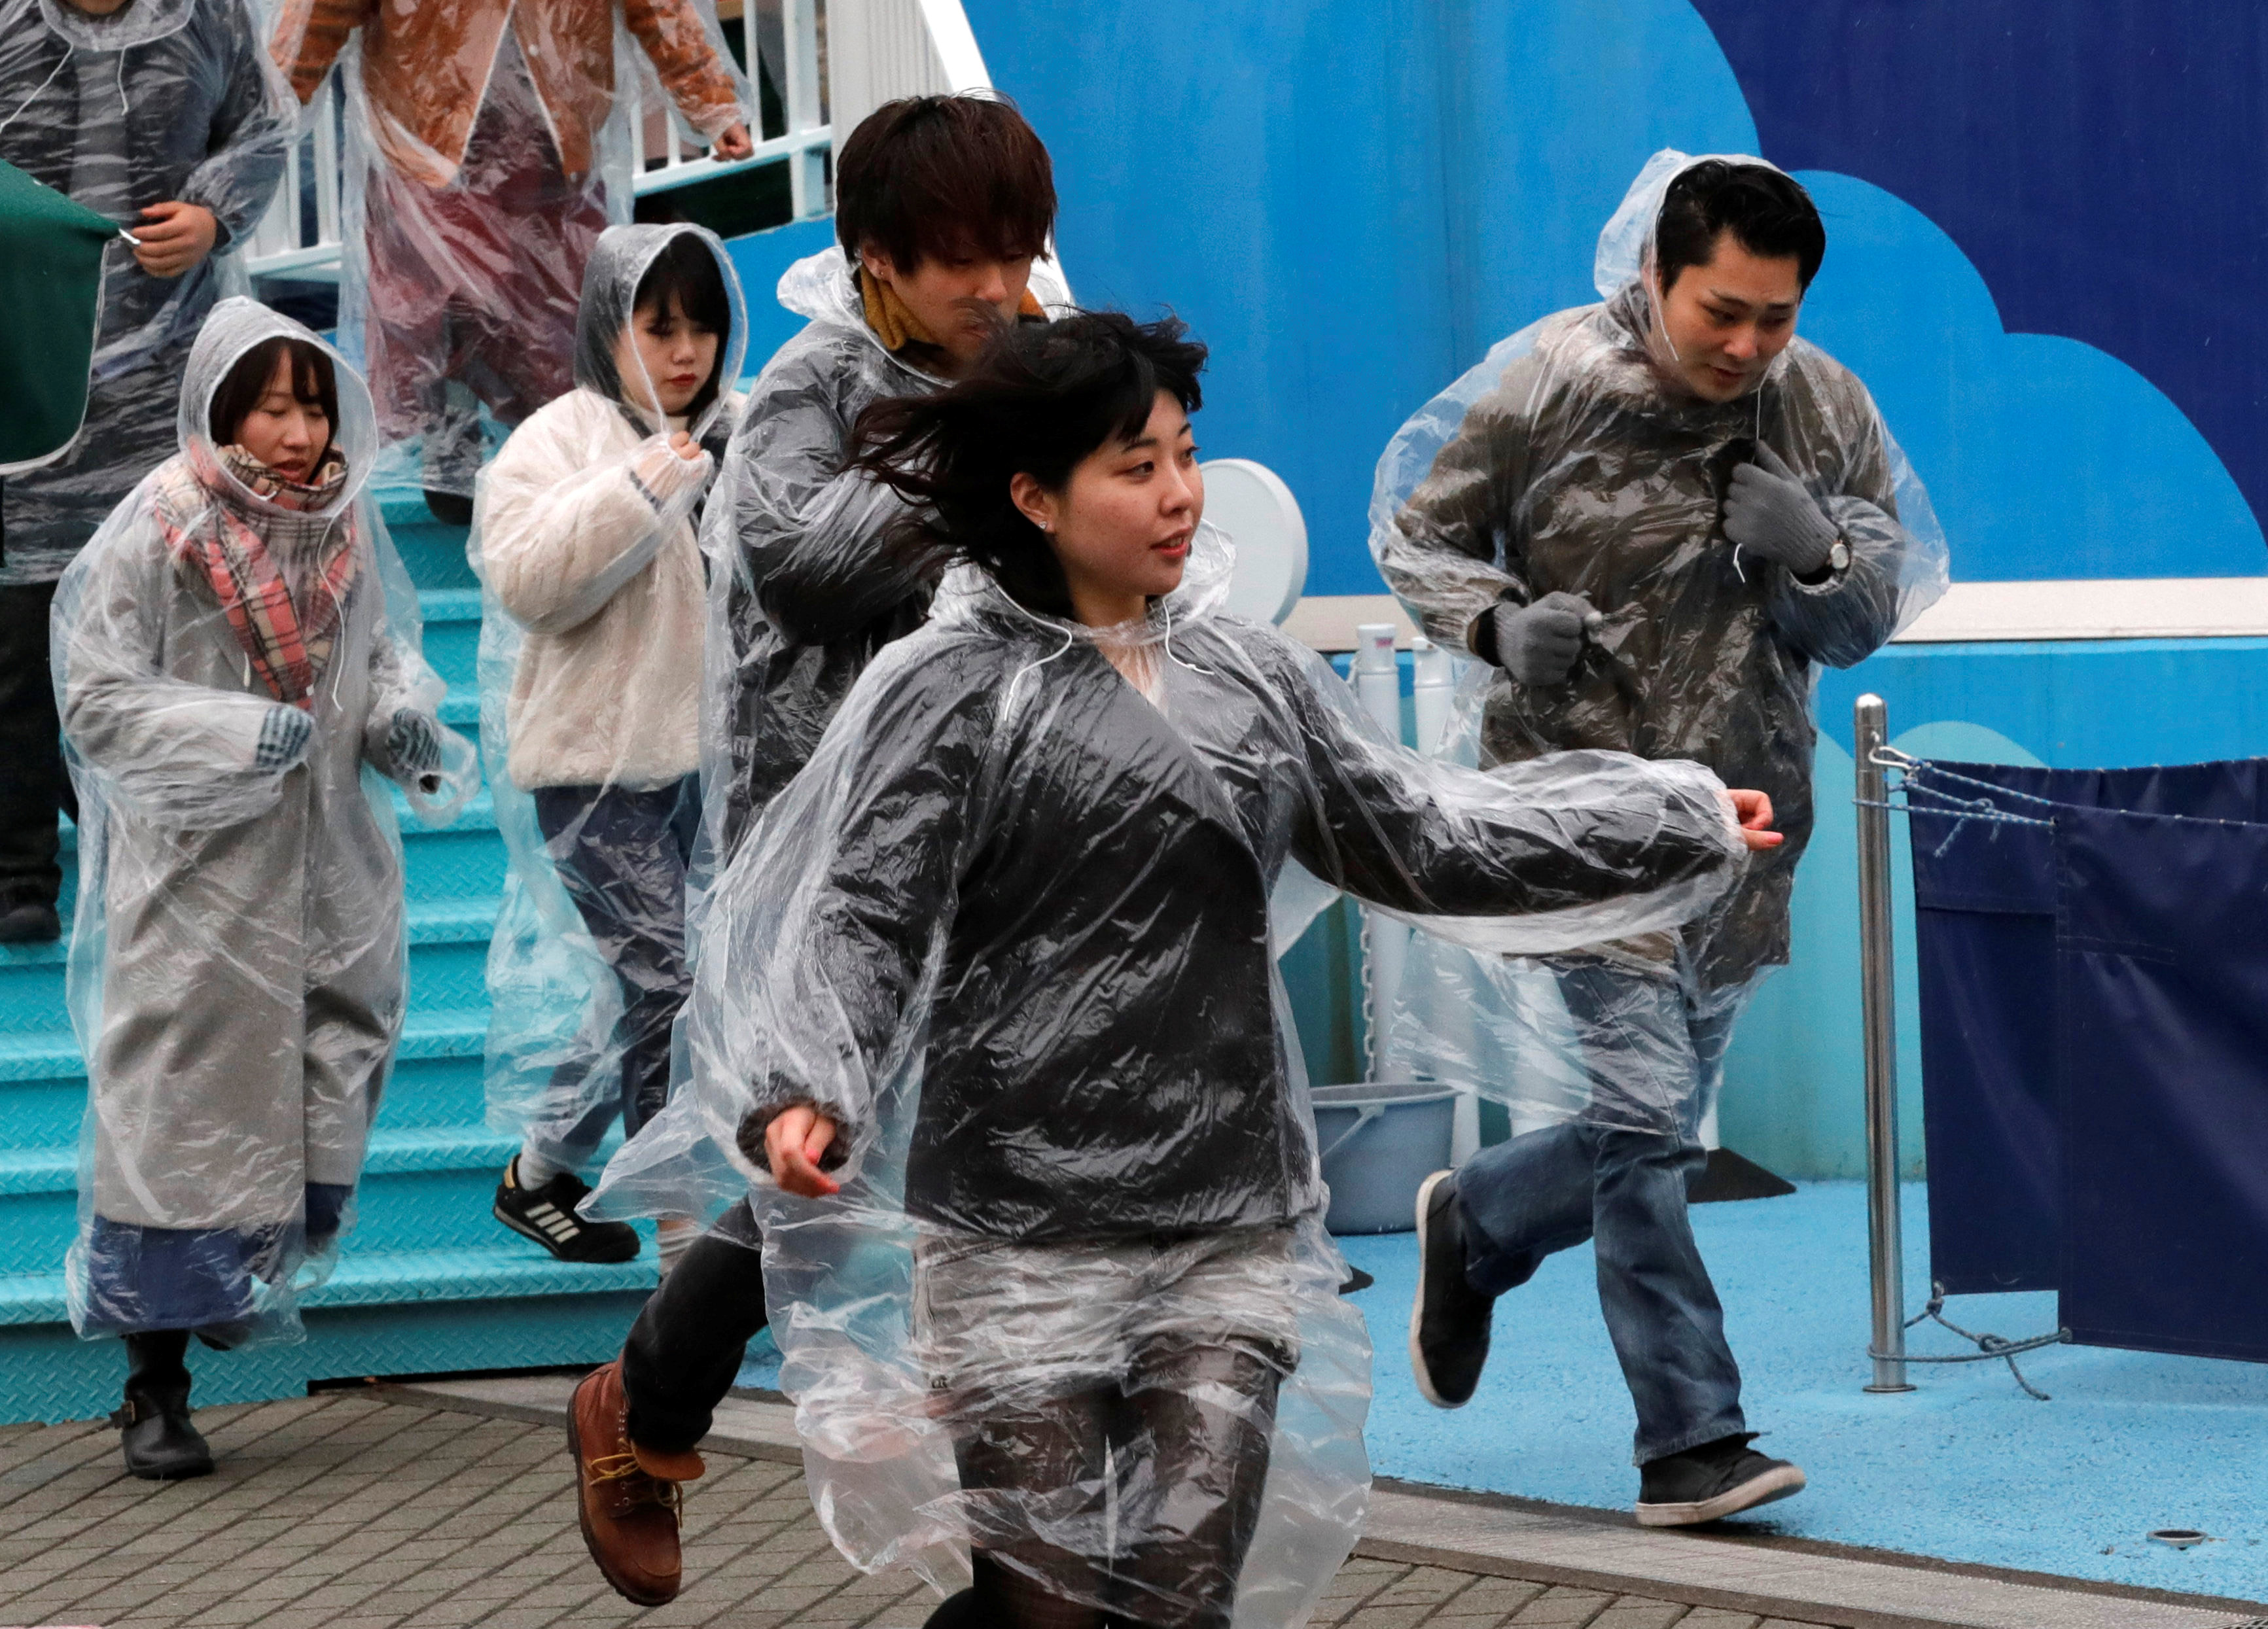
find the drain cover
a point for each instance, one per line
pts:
(2179, 1538)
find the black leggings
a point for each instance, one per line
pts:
(34, 786)
(687, 1343)
(1172, 1452)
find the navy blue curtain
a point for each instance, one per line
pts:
(2161, 968)
(1986, 899)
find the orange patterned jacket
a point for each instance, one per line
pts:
(425, 64)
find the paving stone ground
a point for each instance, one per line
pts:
(343, 1511)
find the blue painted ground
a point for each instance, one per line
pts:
(1966, 1469)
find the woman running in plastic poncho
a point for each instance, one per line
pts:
(987, 999)
(236, 662)
(591, 690)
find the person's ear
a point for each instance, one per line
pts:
(878, 264)
(1033, 501)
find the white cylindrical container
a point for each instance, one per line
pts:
(1433, 687)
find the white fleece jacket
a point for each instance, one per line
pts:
(583, 536)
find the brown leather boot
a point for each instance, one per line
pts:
(630, 1514)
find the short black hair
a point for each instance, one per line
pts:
(313, 384)
(1041, 399)
(1765, 210)
(686, 273)
(941, 177)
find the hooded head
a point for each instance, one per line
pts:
(236, 329)
(1710, 257)
(650, 294)
(137, 22)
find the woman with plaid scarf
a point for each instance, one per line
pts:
(237, 665)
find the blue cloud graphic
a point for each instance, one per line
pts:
(2044, 457)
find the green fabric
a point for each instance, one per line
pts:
(50, 307)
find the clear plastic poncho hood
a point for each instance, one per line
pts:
(1010, 929)
(242, 696)
(1569, 461)
(593, 605)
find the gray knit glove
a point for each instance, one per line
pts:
(1768, 512)
(284, 736)
(1540, 644)
(413, 741)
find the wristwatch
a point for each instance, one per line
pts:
(1838, 556)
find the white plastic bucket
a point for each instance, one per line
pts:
(1379, 1140)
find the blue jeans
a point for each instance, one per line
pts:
(1606, 1178)
(621, 856)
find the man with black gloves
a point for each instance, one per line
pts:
(1656, 516)
(942, 205)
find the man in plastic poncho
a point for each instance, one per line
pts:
(486, 155)
(1655, 517)
(942, 205)
(164, 116)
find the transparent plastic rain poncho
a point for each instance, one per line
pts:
(1565, 461)
(486, 148)
(800, 596)
(1009, 927)
(236, 974)
(593, 604)
(166, 99)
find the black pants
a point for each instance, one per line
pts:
(687, 1343)
(622, 857)
(34, 785)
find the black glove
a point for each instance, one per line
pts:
(1768, 512)
(1539, 644)
(413, 741)
(284, 736)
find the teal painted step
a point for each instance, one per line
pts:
(452, 637)
(434, 554)
(424, 1188)
(421, 1314)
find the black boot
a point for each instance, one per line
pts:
(161, 1445)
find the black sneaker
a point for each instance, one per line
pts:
(31, 922)
(546, 1214)
(1714, 1480)
(1450, 1318)
(451, 508)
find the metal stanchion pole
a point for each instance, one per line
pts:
(1885, 1240)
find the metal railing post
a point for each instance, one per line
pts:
(1885, 1241)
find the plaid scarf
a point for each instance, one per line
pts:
(288, 644)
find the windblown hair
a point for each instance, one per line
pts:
(942, 177)
(313, 384)
(1040, 400)
(1769, 214)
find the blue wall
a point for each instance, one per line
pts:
(1351, 200)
